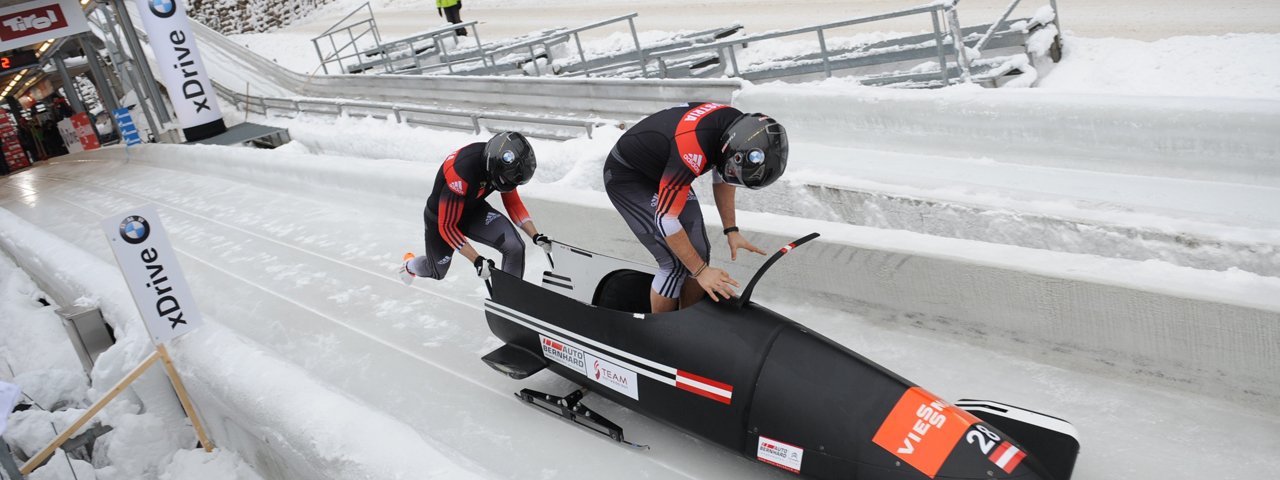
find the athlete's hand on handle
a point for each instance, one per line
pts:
(484, 267)
(543, 241)
(736, 241)
(716, 282)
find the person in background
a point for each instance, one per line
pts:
(451, 10)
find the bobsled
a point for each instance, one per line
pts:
(750, 380)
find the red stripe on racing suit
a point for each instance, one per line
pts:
(677, 179)
(452, 200)
(515, 208)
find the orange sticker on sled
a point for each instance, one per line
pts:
(922, 430)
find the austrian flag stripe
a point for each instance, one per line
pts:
(1007, 457)
(712, 389)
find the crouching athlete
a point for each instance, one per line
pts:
(649, 176)
(457, 209)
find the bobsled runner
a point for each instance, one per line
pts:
(751, 380)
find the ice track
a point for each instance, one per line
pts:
(308, 278)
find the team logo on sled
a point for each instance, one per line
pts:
(782, 455)
(922, 430)
(564, 354)
(619, 379)
(135, 229)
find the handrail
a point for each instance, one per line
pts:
(395, 110)
(986, 37)
(949, 27)
(564, 33)
(335, 28)
(797, 31)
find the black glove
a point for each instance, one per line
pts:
(484, 267)
(543, 241)
(439, 12)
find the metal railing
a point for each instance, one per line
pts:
(367, 29)
(407, 54)
(630, 18)
(472, 121)
(939, 12)
(537, 47)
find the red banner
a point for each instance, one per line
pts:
(84, 130)
(32, 22)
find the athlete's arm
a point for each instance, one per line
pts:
(673, 193)
(716, 282)
(725, 195)
(518, 213)
(449, 213)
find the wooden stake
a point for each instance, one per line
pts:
(66, 434)
(182, 395)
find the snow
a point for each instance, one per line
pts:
(1229, 65)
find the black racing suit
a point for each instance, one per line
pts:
(457, 210)
(649, 176)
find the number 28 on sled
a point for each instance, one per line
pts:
(750, 380)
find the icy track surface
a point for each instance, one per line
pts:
(308, 277)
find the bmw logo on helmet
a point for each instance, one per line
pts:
(135, 229)
(508, 156)
(163, 8)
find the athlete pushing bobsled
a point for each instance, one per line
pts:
(457, 210)
(649, 176)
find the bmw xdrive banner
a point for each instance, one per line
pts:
(151, 269)
(177, 57)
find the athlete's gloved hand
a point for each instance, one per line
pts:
(543, 241)
(484, 268)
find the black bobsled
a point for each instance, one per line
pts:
(753, 381)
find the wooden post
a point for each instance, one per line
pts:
(182, 395)
(66, 434)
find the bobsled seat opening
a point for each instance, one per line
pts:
(624, 290)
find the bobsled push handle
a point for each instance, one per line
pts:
(751, 286)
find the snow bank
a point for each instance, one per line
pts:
(1228, 66)
(1201, 138)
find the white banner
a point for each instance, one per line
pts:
(33, 22)
(151, 269)
(174, 44)
(70, 137)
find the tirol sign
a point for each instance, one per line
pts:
(185, 76)
(151, 269)
(32, 22)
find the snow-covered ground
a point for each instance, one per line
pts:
(315, 353)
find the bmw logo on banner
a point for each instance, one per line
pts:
(150, 268)
(134, 229)
(163, 8)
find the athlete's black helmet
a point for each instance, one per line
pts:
(754, 149)
(509, 160)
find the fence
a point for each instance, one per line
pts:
(554, 128)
